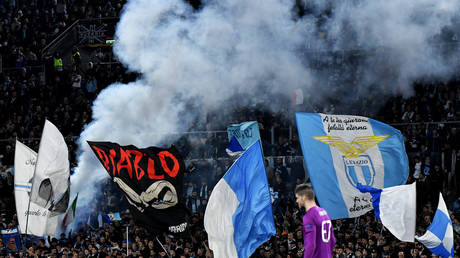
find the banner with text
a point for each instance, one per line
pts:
(245, 133)
(341, 151)
(11, 240)
(151, 179)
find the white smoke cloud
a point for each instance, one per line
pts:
(226, 48)
(244, 47)
(399, 34)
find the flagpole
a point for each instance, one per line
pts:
(27, 219)
(30, 195)
(167, 253)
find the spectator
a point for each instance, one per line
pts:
(76, 58)
(29, 96)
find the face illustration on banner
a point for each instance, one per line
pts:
(358, 166)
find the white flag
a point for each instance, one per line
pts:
(50, 184)
(24, 165)
(395, 208)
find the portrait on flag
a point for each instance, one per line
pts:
(151, 179)
(341, 151)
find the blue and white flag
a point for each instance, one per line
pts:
(439, 237)
(239, 216)
(341, 151)
(11, 240)
(245, 133)
(395, 207)
(108, 218)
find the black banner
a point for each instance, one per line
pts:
(151, 179)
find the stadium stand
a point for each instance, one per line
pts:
(37, 84)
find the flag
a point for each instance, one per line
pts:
(11, 240)
(70, 214)
(51, 182)
(439, 237)
(245, 133)
(151, 179)
(239, 217)
(234, 148)
(108, 218)
(341, 151)
(297, 97)
(395, 207)
(94, 220)
(39, 224)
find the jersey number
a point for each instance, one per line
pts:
(326, 230)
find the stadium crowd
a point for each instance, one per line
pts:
(427, 120)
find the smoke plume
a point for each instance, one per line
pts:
(252, 49)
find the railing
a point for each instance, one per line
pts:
(75, 30)
(60, 37)
(286, 131)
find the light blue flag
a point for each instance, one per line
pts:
(341, 151)
(108, 218)
(239, 216)
(439, 237)
(246, 133)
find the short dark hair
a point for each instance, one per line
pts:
(305, 190)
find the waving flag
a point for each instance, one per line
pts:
(38, 224)
(439, 237)
(395, 208)
(108, 218)
(151, 179)
(11, 240)
(51, 183)
(245, 133)
(341, 151)
(70, 214)
(239, 217)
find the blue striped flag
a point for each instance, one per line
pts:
(239, 216)
(341, 151)
(439, 237)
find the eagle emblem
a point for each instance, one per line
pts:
(359, 144)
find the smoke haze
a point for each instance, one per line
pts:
(203, 58)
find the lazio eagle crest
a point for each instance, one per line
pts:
(358, 166)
